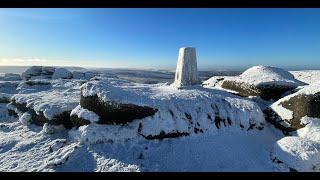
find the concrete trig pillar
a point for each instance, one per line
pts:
(186, 72)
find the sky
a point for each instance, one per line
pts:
(224, 38)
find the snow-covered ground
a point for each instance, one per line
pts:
(28, 147)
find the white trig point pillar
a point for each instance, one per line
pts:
(186, 72)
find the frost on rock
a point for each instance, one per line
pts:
(170, 112)
(186, 72)
(62, 73)
(292, 108)
(51, 106)
(302, 151)
(265, 81)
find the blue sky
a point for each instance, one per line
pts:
(150, 38)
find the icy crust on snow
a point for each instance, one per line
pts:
(63, 96)
(302, 151)
(267, 76)
(85, 114)
(287, 114)
(179, 111)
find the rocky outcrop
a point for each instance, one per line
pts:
(38, 72)
(162, 111)
(62, 73)
(264, 81)
(112, 112)
(305, 102)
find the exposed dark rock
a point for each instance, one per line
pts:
(265, 92)
(112, 112)
(76, 121)
(273, 118)
(303, 105)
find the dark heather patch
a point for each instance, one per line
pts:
(112, 112)
(302, 105)
(164, 135)
(241, 126)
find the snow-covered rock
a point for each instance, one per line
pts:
(265, 81)
(168, 111)
(292, 108)
(62, 73)
(186, 72)
(52, 106)
(38, 72)
(25, 118)
(32, 86)
(80, 116)
(11, 77)
(8, 87)
(302, 151)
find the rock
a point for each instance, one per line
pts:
(78, 75)
(80, 116)
(52, 106)
(40, 72)
(160, 111)
(186, 72)
(5, 98)
(113, 112)
(62, 73)
(305, 102)
(12, 77)
(264, 81)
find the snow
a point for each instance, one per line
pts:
(25, 118)
(301, 151)
(307, 76)
(186, 72)
(85, 114)
(8, 87)
(265, 75)
(173, 104)
(63, 96)
(29, 149)
(122, 148)
(61, 73)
